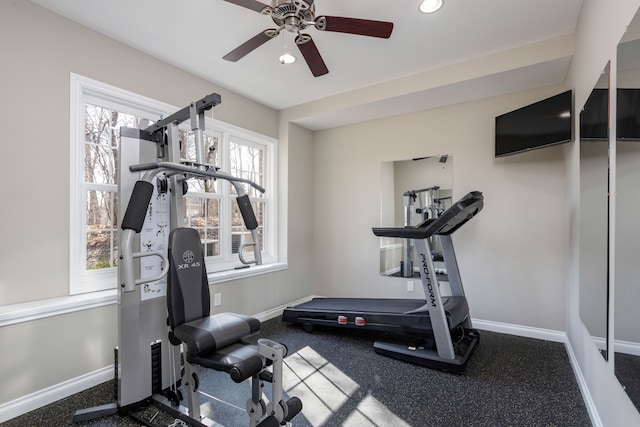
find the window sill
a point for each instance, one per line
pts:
(25, 312)
(253, 270)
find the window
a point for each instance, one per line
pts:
(101, 144)
(97, 113)
(210, 205)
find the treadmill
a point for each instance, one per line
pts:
(436, 331)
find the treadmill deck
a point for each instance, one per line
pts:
(398, 315)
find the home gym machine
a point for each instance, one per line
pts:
(429, 205)
(438, 327)
(163, 297)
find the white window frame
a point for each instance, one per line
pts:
(227, 132)
(84, 90)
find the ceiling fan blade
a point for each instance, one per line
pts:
(363, 27)
(311, 55)
(250, 4)
(250, 45)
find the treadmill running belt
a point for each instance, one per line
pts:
(399, 315)
(376, 305)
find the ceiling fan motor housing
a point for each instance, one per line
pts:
(293, 15)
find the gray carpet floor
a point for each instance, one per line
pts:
(509, 381)
(627, 369)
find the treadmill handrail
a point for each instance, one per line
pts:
(450, 220)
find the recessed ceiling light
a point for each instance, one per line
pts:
(430, 6)
(287, 58)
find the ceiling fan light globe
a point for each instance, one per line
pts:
(430, 6)
(287, 58)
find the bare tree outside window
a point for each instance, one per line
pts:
(102, 141)
(247, 161)
(202, 202)
(98, 111)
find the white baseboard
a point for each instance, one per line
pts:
(521, 331)
(51, 394)
(582, 385)
(275, 312)
(56, 392)
(627, 347)
(601, 343)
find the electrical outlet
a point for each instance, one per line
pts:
(410, 287)
(217, 300)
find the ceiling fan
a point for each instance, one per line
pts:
(297, 15)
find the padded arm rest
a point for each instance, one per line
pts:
(137, 207)
(215, 332)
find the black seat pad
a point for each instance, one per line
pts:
(208, 334)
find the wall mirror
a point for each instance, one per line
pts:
(627, 237)
(594, 202)
(411, 191)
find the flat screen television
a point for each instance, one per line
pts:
(594, 117)
(594, 123)
(541, 124)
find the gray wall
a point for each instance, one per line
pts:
(512, 256)
(627, 295)
(329, 186)
(601, 26)
(39, 51)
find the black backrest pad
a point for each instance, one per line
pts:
(187, 285)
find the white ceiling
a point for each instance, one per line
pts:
(194, 35)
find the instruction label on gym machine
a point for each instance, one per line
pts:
(154, 237)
